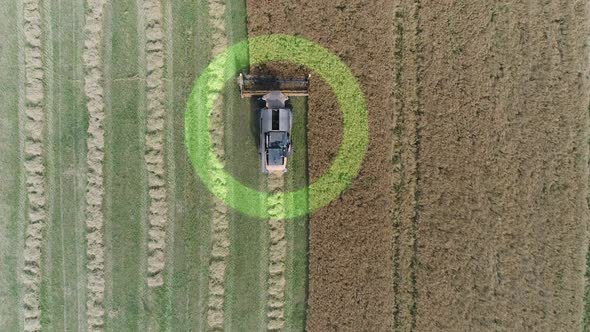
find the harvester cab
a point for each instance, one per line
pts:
(275, 118)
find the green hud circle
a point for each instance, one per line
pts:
(225, 68)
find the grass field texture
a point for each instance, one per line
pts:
(125, 236)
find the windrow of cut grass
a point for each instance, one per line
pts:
(275, 302)
(34, 163)
(154, 141)
(220, 239)
(95, 104)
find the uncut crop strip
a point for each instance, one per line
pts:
(95, 158)
(278, 255)
(34, 164)
(219, 222)
(154, 154)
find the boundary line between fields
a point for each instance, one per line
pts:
(94, 91)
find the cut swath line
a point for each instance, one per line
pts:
(154, 150)
(94, 91)
(33, 164)
(220, 238)
(278, 254)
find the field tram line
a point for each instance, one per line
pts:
(398, 177)
(94, 91)
(278, 255)
(406, 220)
(34, 167)
(154, 142)
(220, 237)
(417, 110)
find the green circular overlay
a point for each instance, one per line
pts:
(296, 50)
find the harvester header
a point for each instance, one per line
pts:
(251, 85)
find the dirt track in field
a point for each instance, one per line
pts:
(471, 213)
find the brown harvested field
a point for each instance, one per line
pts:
(470, 211)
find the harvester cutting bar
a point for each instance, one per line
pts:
(251, 85)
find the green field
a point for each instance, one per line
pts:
(130, 304)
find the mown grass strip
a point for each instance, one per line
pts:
(246, 279)
(248, 262)
(62, 299)
(191, 211)
(11, 174)
(126, 176)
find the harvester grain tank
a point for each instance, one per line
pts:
(275, 118)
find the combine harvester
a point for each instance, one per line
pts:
(276, 117)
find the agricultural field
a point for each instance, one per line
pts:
(469, 212)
